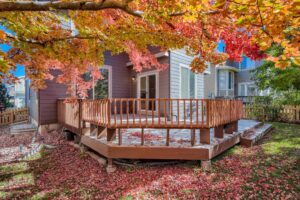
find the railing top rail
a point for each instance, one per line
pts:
(152, 99)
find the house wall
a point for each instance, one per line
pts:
(176, 58)
(120, 74)
(48, 100)
(163, 80)
(210, 83)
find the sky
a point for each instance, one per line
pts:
(20, 71)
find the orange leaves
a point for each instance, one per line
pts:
(71, 43)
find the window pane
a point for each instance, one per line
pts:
(229, 80)
(192, 85)
(184, 82)
(251, 90)
(101, 88)
(242, 90)
(222, 80)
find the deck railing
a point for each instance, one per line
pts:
(151, 113)
(13, 115)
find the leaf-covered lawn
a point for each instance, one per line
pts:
(269, 170)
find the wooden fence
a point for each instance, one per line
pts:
(286, 113)
(13, 115)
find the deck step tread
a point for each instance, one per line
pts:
(252, 136)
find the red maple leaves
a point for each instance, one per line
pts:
(239, 43)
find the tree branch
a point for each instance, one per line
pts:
(61, 5)
(43, 43)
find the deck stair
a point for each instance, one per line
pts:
(251, 136)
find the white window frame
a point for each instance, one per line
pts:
(146, 74)
(180, 78)
(246, 87)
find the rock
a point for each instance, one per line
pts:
(206, 165)
(111, 168)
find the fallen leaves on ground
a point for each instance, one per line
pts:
(247, 173)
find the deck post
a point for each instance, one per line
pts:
(234, 126)
(219, 131)
(93, 130)
(192, 137)
(231, 127)
(205, 136)
(111, 134)
(110, 168)
(119, 136)
(168, 137)
(101, 132)
(142, 137)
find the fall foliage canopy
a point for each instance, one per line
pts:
(71, 36)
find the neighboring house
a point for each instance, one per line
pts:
(17, 92)
(232, 79)
(177, 81)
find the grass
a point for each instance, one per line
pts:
(285, 140)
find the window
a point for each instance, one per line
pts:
(188, 83)
(226, 80)
(102, 88)
(248, 89)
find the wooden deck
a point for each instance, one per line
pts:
(99, 123)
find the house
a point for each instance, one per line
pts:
(121, 81)
(17, 92)
(232, 80)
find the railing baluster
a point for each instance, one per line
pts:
(165, 111)
(115, 111)
(158, 111)
(178, 112)
(191, 113)
(121, 111)
(133, 108)
(152, 105)
(184, 112)
(127, 112)
(171, 111)
(147, 108)
(202, 110)
(197, 112)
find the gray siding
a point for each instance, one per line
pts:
(244, 76)
(179, 57)
(176, 58)
(210, 83)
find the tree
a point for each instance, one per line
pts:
(267, 76)
(41, 41)
(4, 97)
(284, 84)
